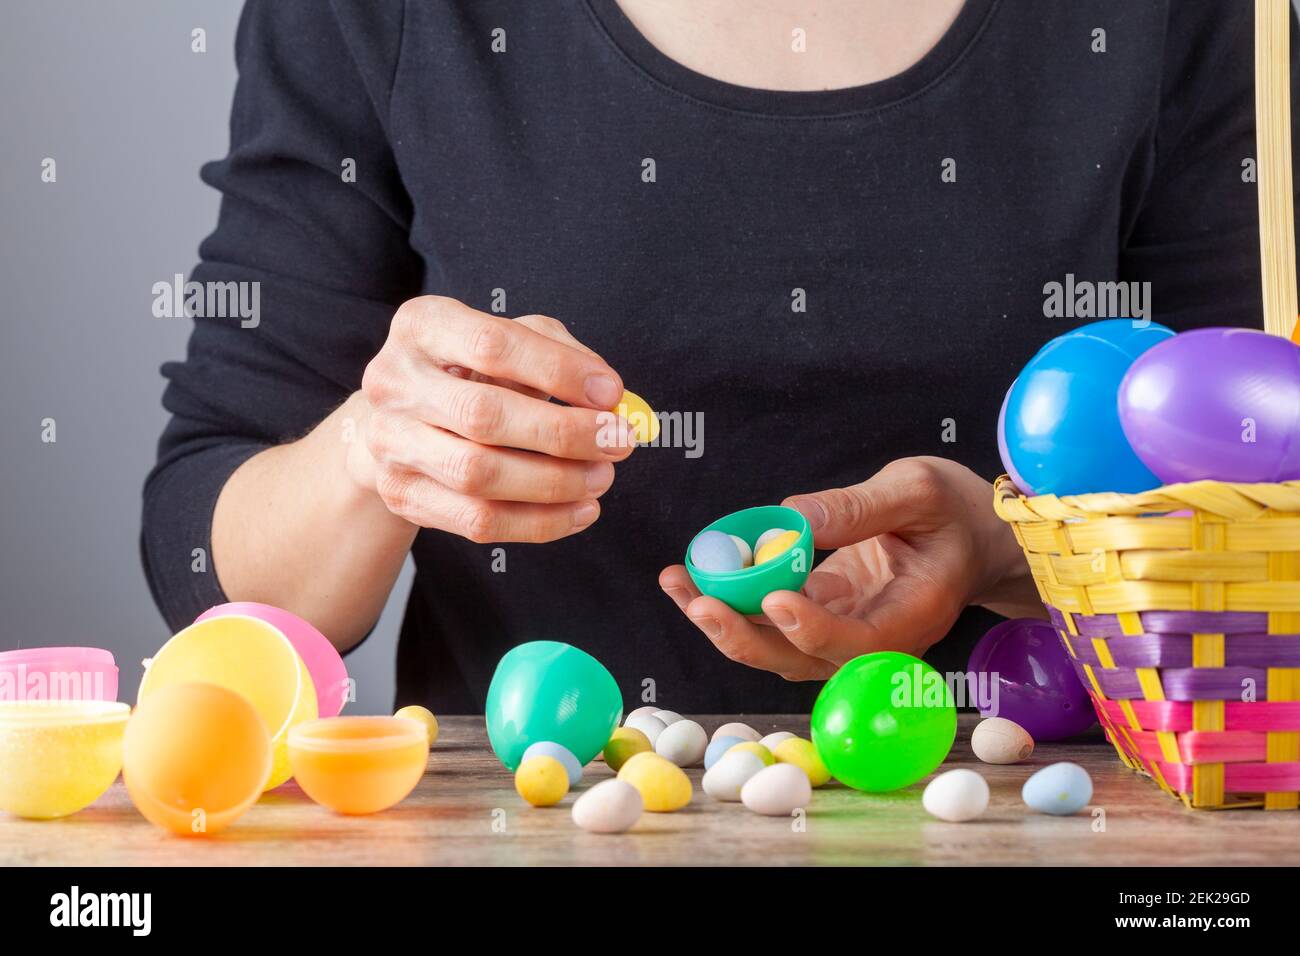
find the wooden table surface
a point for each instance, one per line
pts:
(466, 811)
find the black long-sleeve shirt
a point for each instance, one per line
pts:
(915, 221)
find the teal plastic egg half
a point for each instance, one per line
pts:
(549, 691)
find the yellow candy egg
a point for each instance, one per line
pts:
(757, 749)
(663, 786)
(639, 414)
(542, 781)
(776, 547)
(803, 755)
(626, 743)
(421, 715)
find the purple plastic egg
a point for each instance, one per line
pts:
(1222, 404)
(1021, 671)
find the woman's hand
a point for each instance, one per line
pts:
(458, 432)
(916, 544)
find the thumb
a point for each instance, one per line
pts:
(844, 516)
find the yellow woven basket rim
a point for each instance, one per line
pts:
(1231, 501)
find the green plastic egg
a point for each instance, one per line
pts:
(884, 721)
(548, 691)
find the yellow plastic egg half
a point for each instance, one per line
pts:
(663, 786)
(776, 547)
(803, 755)
(423, 716)
(542, 781)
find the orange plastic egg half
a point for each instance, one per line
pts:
(358, 764)
(195, 757)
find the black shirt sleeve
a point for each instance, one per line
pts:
(330, 257)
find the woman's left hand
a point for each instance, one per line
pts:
(916, 543)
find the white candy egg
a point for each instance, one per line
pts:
(777, 791)
(772, 740)
(668, 716)
(611, 806)
(641, 712)
(683, 742)
(648, 724)
(746, 552)
(956, 796)
(726, 778)
(1001, 741)
(743, 731)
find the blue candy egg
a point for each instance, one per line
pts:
(713, 753)
(544, 748)
(1061, 789)
(714, 551)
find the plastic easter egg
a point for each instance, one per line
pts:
(715, 553)
(1003, 453)
(997, 740)
(1220, 404)
(663, 785)
(648, 724)
(359, 765)
(719, 746)
(884, 721)
(1021, 672)
(546, 748)
(956, 796)
(625, 744)
(611, 806)
(58, 756)
(682, 742)
(545, 690)
(421, 715)
(1061, 426)
(726, 779)
(743, 590)
(803, 755)
(542, 781)
(1060, 789)
(777, 791)
(737, 729)
(195, 757)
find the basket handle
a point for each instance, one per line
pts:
(1273, 144)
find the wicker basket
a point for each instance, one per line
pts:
(1180, 608)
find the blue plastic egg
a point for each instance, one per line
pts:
(714, 552)
(547, 748)
(1060, 789)
(713, 753)
(1061, 427)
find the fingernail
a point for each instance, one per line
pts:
(708, 625)
(615, 437)
(585, 514)
(599, 477)
(679, 595)
(602, 391)
(811, 509)
(779, 616)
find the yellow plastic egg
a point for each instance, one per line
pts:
(421, 715)
(776, 547)
(803, 755)
(625, 744)
(663, 786)
(639, 414)
(542, 781)
(757, 749)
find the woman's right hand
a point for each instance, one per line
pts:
(457, 432)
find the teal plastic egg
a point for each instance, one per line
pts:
(884, 721)
(548, 691)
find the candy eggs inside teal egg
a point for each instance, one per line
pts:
(549, 691)
(715, 552)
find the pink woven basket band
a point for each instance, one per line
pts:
(1255, 717)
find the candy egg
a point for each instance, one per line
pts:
(1001, 741)
(776, 547)
(1060, 789)
(641, 712)
(746, 552)
(648, 724)
(639, 414)
(803, 755)
(771, 534)
(772, 740)
(736, 729)
(664, 787)
(668, 716)
(725, 779)
(546, 748)
(682, 742)
(715, 552)
(542, 781)
(611, 806)
(717, 747)
(758, 750)
(625, 744)
(956, 796)
(421, 715)
(777, 791)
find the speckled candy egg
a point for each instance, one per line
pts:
(715, 552)
(611, 806)
(1001, 741)
(956, 796)
(777, 791)
(725, 779)
(736, 729)
(1060, 789)
(545, 748)
(648, 724)
(663, 786)
(682, 742)
(717, 747)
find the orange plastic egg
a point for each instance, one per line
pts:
(358, 764)
(195, 757)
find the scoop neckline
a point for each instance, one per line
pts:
(647, 58)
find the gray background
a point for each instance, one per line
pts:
(111, 91)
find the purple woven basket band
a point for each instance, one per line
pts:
(1175, 650)
(1169, 622)
(1186, 683)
